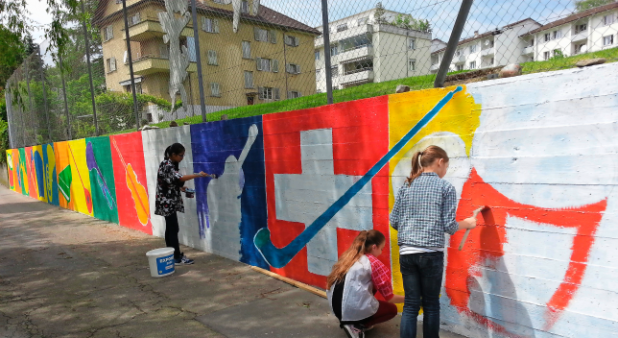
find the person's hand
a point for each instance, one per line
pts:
(203, 174)
(183, 189)
(470, 223)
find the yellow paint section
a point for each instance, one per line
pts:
(461, 116)
(81, 195)
(9, 160)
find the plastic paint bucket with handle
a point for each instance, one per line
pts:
(161, 262)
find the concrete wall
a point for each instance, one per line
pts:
(542, 263)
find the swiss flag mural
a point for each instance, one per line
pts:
(312, 157)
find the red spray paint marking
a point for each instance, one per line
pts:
(485, 244)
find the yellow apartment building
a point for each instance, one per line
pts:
(269, 58)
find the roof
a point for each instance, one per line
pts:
(486, 34)
(574, 17)
(266, 16)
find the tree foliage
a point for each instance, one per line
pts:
(380, 14)
(406, 21)
(584, 5)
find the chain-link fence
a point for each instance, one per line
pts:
(243, 58)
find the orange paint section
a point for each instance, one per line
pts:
(485, 243)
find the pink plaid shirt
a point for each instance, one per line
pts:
(381, 277)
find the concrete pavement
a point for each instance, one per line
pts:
(63, 274)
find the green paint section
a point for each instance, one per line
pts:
(64, 182)
(23, 171)
(102, 184)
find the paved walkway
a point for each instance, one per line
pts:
(63, 274)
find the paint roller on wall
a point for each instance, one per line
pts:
(487, 217)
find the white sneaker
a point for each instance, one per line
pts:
(353, 331)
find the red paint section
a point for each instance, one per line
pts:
(131, 148)
(359, 141)
(32, 182)
(485, 243)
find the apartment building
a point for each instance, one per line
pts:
(269, 58)
(490, 49)
(589, 31)
(363, 51)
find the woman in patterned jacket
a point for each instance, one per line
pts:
(424, 211)
(169, 201)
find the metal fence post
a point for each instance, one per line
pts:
(452, 42)
(87, 43)
(64, 96)
(327, 64)
(200, 80)
(130, 57)
(49, 134)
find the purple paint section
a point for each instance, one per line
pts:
(92, 162)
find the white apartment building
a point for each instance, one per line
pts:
(363, 51)
(589, 31)
(489, 49)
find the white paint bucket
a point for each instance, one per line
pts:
(161, 262)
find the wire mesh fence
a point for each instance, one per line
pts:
(242, 58)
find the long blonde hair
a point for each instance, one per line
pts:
(361, 245)
(423, 159)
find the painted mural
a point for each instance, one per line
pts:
(294, 189)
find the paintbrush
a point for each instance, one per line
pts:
(474, 214)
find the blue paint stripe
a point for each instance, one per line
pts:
(280, 257)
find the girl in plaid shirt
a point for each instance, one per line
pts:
(424, 211)
(354, 280)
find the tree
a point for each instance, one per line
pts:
(380, 14)
(584, 5)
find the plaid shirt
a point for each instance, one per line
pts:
(381, 277)
(424, 211)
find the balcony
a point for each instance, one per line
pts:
(356, 54)
(459, 59)
(150, 28)
(528, 50)
(152, 65)
(488, 51)
(583, 35)
(434, 67)
(351, 32)
(357, 76)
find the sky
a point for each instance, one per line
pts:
(485, 15)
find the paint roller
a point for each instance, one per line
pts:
(475, 213)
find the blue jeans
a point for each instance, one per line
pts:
(422, 279)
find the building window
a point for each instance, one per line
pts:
(219, 1)
(342, 27)
(473, 49)
(210, 25)
(581, 28)
(215, 90)
(608, 40)
(108, 33)
(547, 37)
(212, 58)
(557, 35)
(412, 65)
(411, 43)
(459, 67)
(268, 93)
(317, 55)
(546, 56)
(458, 52)
(246, 50)
(608, 20)
(111, 64)
(291, 41)
(244, 8)
(261, 34)
(318, 72)
(334, 71)
(293, 68)
(248, 79)
(267, 65)
(164, 51)
(473, 65)
(363, 21)
(294, 94)
(334, 50)
(134, 19)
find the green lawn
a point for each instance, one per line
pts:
(378, 89)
